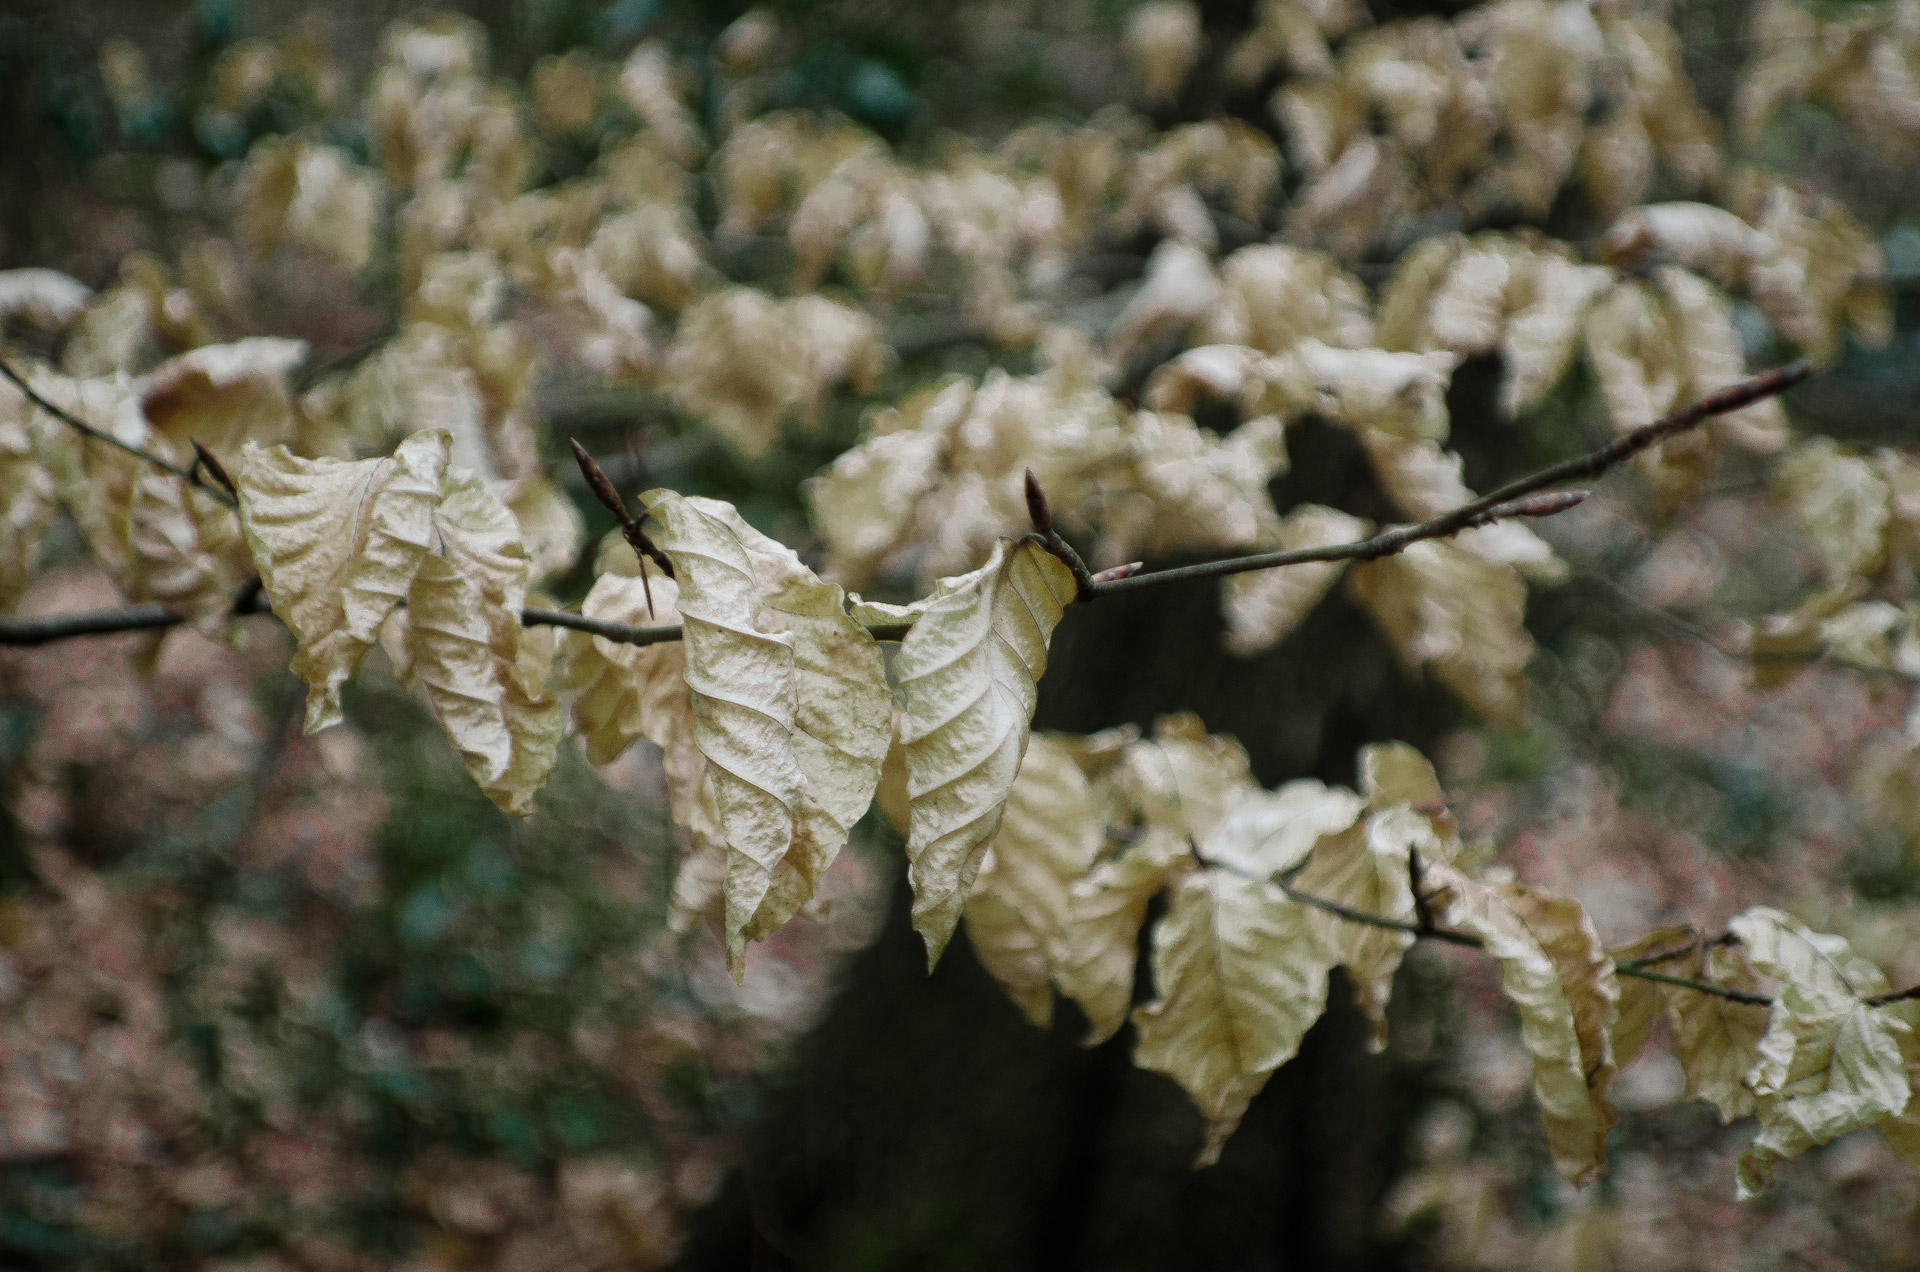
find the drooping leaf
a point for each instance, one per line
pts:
(337, 545)
(743, 681)
(1265, 833)
(1561, 982)
(1098, 949)
(1364, 867)
(1828, 1062)
(969, 675)
(1183, 779)
(1642, 1001)
(1239, 981)
(1444, 607)
(1717, 1041)
(480, 541)
(1018, 913)
(186, 547)
(843, 717)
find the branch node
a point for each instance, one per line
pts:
(643, 547)
(1042, 517)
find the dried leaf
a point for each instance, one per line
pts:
(1098, 949)
(968, 673)
(1558, 976)
(1240, 980)
(1364, 866)
(1717, 1041)
(1263, 606)
(1445, 607)
(1828, 1063)
(1018, 913)
(743, 682)
(1642, 1001)
(1842, 503)
(337, 545)
(1267, 833)
(1183, 779)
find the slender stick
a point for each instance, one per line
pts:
(189, 475)
(1510, 500)
(1635, 968)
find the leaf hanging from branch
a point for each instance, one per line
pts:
(969, 674)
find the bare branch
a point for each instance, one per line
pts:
(44, 629)
(1511, 500)
(189, 475)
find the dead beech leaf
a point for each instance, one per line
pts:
(742, 679)
(337, 545)
(1715, 1040)
(478, 536)
(1098, 948)
(1446, 608)
(1239, 981)
(1562, 985)
(1642, 1001)
(1828, 1063)
(843, 717)
(969, 675)
(1019, 909)
(1263, 606)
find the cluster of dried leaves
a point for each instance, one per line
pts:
(402, 502)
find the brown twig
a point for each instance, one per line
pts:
(636, 537)
(189, 475)
(1042, 518)
(1515, 499)
(1633, 968)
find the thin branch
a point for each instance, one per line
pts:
(46, 628)
(1510, 500)
(1635, 968)
(189, 475)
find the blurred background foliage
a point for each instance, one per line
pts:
(343, 1014)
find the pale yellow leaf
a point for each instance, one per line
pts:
(1274, 296)
(969, 675)
(1446, 608)
(1642, 1001)
(1715, 1040)
(743, 681)
(1364, 866)
(738, 363)
(1098, 950)
(479, 537)
(187, 548)
(1018, 913)
(28, 497)
(1179, 290)
(337, 545)
(1163, 38)
(1632, 347)
(622, 692)
(1543, 331)
(224, 396)
(843, 716)
(1712, 353)
(41, 298)
(1266, 833)
(550, 525)
(1828, 1063)
(1239, 980)
(1183, 779)
(1263, 606)
(1566, 934)
(1842, 503)
(1555, 978)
